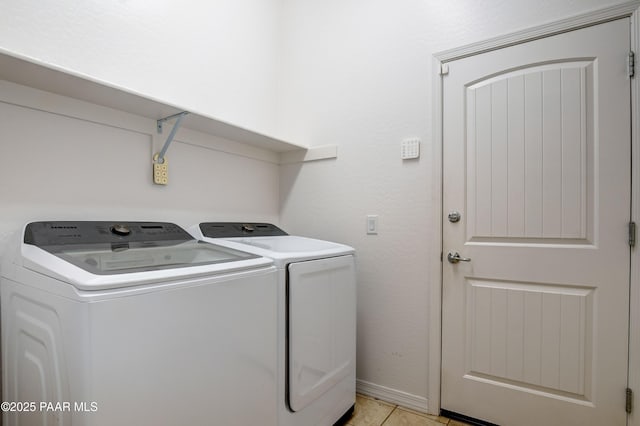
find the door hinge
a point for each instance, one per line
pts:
(632, 64)
(632, 234)
(444, 69)
(629, 402)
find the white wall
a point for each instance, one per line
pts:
(63, 159)
(214, 57)
(218, 58)
(358, 73)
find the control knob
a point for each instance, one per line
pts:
(120, 229)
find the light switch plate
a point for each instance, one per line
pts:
(372, 224)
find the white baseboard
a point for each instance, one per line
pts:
(404, 399)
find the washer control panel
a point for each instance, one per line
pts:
(65, 233)
(120, 229)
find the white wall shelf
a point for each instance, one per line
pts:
(50, 78)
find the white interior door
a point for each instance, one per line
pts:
(536, 159)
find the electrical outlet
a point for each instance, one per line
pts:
(160, 171)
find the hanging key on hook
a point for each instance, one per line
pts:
(160, 170)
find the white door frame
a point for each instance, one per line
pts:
(629, 9)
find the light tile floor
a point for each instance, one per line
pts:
(373, 412)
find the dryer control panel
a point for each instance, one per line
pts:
(239, 229)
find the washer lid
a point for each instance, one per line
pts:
(108, 248)
(269, 241)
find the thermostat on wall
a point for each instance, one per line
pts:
(410, 148)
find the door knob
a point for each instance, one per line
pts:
(454, 216)
(454, 257)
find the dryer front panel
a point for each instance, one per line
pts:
(321, 344)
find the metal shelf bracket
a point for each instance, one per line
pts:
(179, 116)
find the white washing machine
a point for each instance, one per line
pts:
(135, 324)
(317, 318)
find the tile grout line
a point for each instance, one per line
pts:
(395, 407)
(389, 415)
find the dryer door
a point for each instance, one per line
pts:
(321, 327)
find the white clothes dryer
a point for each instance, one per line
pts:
(316, 318)
(135, 324)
